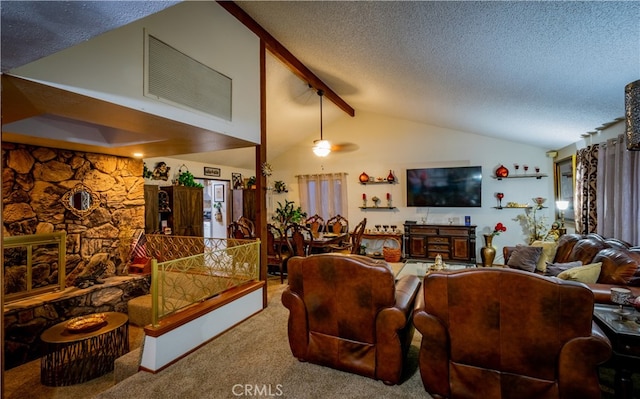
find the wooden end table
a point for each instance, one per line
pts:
(72, 358)
(624, 334)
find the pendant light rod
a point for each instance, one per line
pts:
(320, 93)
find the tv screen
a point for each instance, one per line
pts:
(445, 187)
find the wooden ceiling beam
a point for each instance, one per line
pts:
(285, 56)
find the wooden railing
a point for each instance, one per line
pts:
(195, 269)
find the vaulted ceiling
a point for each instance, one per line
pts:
(541, 73)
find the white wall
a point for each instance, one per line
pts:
(110, 66)
(387, 143)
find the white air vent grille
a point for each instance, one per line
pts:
(178, 78)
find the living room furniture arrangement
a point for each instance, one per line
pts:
(503, 333)
(84, 348)
(451, 242)
(624, 334)
(579, 257)
(347, 312)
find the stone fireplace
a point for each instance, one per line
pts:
(35, 182)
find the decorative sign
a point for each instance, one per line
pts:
(215, 172)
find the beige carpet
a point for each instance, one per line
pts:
(256, 356)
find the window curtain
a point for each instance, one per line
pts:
(618, 191)
(324, 194)
(585, 199)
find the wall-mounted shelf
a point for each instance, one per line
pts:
(517, 207)
(378, 182)
(378, 207)
(535, 175)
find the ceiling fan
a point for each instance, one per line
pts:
(322, 147)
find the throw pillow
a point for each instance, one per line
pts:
(548, 253)
(525, 257)
(553, 269)
(587, 274)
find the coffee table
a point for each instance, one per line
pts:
(421, 268)
(71, 358)
(624, 334)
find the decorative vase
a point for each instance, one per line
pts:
(488, 252)
(502, 171)
(364, 177)
(391, 178)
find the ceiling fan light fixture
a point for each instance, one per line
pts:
(321, 148)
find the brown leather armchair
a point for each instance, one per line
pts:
(347, 312)
(504, 333)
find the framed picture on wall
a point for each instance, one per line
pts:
(236, 181)
(208, 171)
(565, 184)
(218, 192)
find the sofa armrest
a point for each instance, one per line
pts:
(506, 253)
(579, 358)
(407, 289)
(434, 352)
(297, 324)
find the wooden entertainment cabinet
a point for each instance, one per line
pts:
(453, 243)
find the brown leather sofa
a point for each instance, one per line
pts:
(347, 312)
(620, 261)
(531, 337)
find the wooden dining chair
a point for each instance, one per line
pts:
(352, 245)
(337, 225)
(275, 255)
(356, 236)
(238, 231)
(299, 239)
(315, 223)
(248, 223)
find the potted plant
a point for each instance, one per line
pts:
(288, 213)
(251, 182)
(186, 179)
(218, 215)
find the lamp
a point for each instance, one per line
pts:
(632, 115)
(562, 206)
(321, 147)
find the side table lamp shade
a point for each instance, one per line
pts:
(632, 115)
(562, 206)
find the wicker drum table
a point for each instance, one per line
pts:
(77, 355)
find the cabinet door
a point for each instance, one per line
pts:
(151, 218)
(187, 211)
(244, 204)
(460, 248)
(417, 246)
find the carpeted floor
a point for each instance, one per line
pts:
(253, 359)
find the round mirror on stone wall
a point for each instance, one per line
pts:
(80, 200)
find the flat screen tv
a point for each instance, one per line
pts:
(445, 187)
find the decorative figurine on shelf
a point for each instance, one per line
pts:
(389, 200)
(438, 262)
(500, 196)
(364, 178)
(364, 200)
(390, 177)
(375, 201)
(502, 171)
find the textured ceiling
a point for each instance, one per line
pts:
(541, 73)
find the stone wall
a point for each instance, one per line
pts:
(35, 179)
(26, 320)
